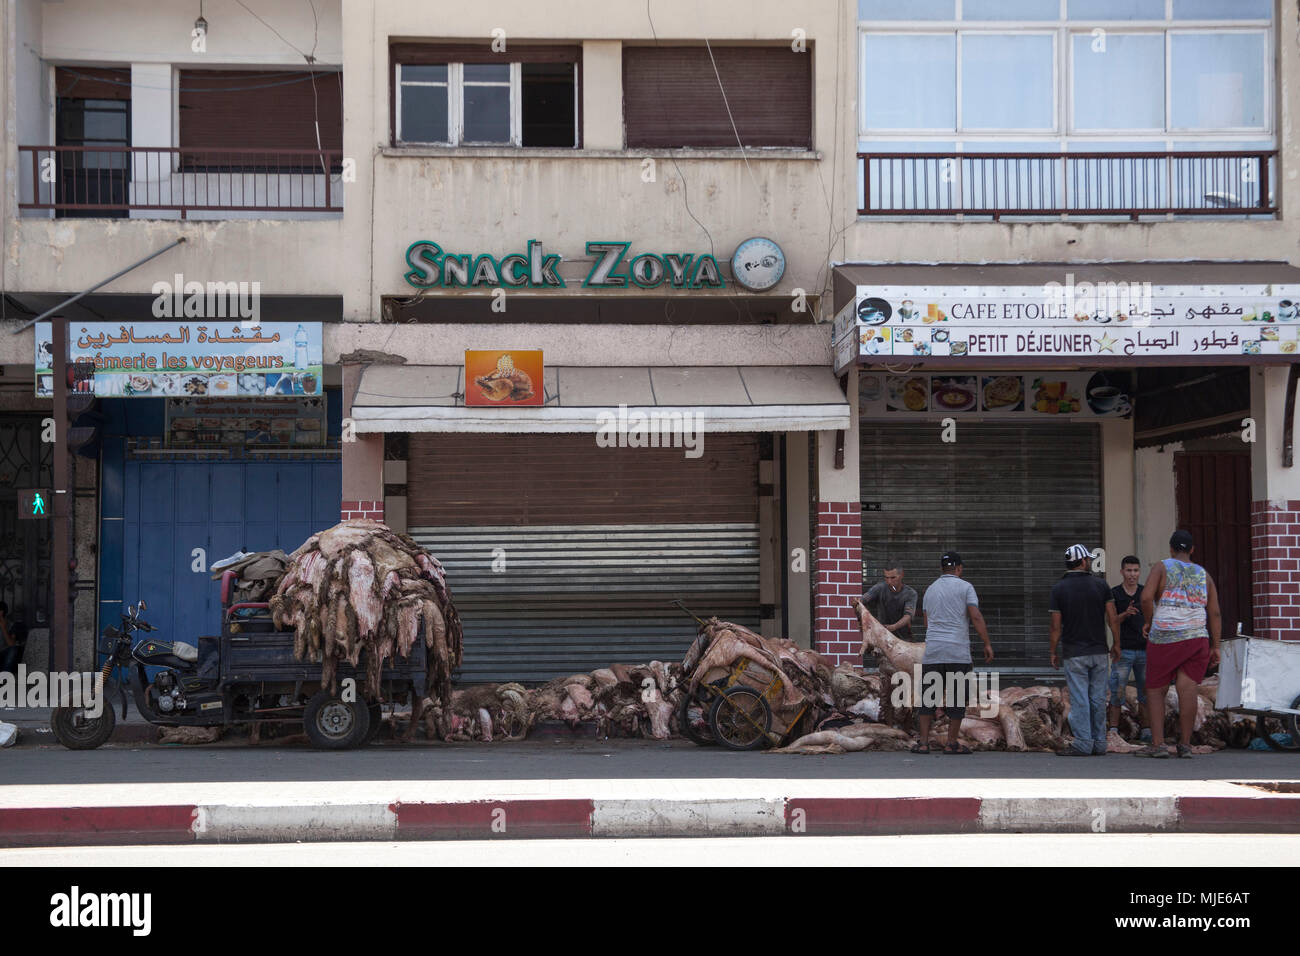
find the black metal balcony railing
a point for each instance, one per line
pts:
(1131, 184)
(116, 180)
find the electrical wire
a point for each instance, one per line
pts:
(298, 77)
(727, 104)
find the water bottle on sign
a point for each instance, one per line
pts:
(300, 349)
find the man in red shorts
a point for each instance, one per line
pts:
(1181, 607)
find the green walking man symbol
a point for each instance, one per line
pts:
(38, 503)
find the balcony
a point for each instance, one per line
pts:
(1090, 185)
(170, 182)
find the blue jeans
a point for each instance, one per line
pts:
(1134, 662)
(1086, 677)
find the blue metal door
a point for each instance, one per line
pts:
(173, 508)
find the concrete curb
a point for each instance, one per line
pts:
(307, 821)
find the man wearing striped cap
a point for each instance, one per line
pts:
(1082, 607)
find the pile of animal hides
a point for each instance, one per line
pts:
(847, 711)
(1012, 718)
(359, 586)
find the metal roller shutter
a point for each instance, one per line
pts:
(672, 96)
(1010, 498)
(591, 545)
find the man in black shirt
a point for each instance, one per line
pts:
(891, 603)
(1133, 646)
(1082, 606)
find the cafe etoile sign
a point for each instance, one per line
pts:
(614, 266)
(1120, 323)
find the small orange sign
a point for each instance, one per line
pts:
(503, 377)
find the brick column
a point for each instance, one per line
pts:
(1275, 552)
(839, 578)
(362, 509)
(1274, 514)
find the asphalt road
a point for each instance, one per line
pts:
(591, 759)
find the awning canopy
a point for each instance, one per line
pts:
(430, 398)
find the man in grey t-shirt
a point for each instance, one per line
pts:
(949, 608)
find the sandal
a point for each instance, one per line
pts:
(1150, 750)
(920, 749)
(956, 749)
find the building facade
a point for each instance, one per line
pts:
(584, 297)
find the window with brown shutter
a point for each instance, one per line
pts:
(273, 114)
(672, 96)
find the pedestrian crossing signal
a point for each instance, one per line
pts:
(33, 503)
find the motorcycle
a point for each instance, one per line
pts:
(173, 691)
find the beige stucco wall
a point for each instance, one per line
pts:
(494, 201)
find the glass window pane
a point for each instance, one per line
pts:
(1218, 80)
(1223, 9)
(906, 10)
(431, 73)
(1006, 81)
(1120, 86)
(424, 114)
(1011, 10)
(910, 81)
(487, 114)
(487, 72)
(548, 104)
(1117, 9)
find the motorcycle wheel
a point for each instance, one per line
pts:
(335, 724)
(76, 731)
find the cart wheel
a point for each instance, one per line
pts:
(740, 718)
(1266, 727)
(335, 724)
(693, 718)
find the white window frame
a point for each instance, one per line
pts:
(455, 87)
(1063, 79)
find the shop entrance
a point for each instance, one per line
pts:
(563, 556)
(1213, 496)
(172, 508)
(1009, 498)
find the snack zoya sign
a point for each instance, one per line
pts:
(613, 266)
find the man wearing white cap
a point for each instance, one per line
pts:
(1082, 607)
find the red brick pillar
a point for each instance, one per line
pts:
(362, 509)
(839, 578)
(1275, 553)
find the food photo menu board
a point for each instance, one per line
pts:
(246, 422)
(1021, 395)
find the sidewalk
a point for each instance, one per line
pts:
(311, 811)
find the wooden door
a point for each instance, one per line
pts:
(1213, 501)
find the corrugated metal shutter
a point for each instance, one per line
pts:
(1010, 498)
(596, 542)
(577, 597)
(671, 96)
(260, 110)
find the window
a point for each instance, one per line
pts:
(690, 96)
(279, 118)
(1105, 72)
(452, 96)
